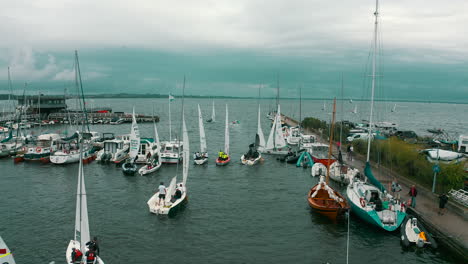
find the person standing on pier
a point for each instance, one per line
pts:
(396, 189)
(413, 193)
(443, 199)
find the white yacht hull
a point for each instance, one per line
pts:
(144, 170)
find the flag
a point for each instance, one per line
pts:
(171, 98)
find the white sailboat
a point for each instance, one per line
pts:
(130, 167)
(254, 156)
(154, 162)
(276, 143)
(202, 156)
(176, 194)
(170, 152)
(82, 235)
(354, 111)
(6, 256)
(366, 198)
(224, 158)
(213, 115)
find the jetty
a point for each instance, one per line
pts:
(450, 229)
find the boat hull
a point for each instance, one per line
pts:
(250, 162)
(200, 161)
(324, 205)
(223, 162)
(169, 210)
(144, 170)
(129, 168)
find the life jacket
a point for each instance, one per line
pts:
(91, 256)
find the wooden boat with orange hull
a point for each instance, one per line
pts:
(322, 198)
(323, 204)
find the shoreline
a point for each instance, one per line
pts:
(453, 236)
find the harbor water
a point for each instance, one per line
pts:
(235, 214)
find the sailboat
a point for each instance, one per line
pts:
(202, 156)
(223, 157)
(170, 152)
(154, 162)
(6, 257)
(322, 198)
(172, 202)
(276, 143)
(130, 167)
(253, 156)
(369, 200)
(82, 236)
(67, 148)
(354, 111)
(213, 115)
(394, 108)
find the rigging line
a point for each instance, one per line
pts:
(78, 71)
(347, 240)
(180, 131)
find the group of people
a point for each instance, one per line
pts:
(163, 191)
(199, 156)
(222, 155)
(252, 153)
(90, 255)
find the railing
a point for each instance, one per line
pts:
(460, 196)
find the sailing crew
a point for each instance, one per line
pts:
(93, 245)
(76, 256)
(162, 192)
(177, 195)
(220, 154)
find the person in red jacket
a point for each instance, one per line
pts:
(90, 257)
(413, 193)
(76, 255)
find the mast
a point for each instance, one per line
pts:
(170, 125)
(342, 98)
(331, 138)
(300, 108)
(376, 13)
(80, 86)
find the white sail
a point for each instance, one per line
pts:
(270, 143)
(202, 132)
(134, 138)
(81, 217)
(156, 137)
(213, 115)
(171, 190)
(279, 138)
(186, 151)
(260, 132)
(226, 133)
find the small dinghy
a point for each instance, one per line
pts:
(342, 173)
(6, 257)
(224, 157)
(435, 155)
(154, 162)
(305, 160)
(412, 232)
(252, 157)
(318, 169)
(130, 167)
(213, 115)
(201, 157)
(176, 193)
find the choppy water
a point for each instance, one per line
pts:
(235, 214)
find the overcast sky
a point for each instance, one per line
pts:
(230, 47)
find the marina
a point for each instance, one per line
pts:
(369, 171)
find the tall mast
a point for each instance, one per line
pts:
(300, 108)
(373, 78)
(80, 86)
(170, 125)
(341, 123)
(332, 128)
(277, 89)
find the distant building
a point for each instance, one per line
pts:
(43, 104)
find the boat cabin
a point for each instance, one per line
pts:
(112, 146)
(463, 144)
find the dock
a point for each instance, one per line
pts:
(450, 229)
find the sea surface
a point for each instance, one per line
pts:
(235, 214)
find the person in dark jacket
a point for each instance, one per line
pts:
(93, 245)
(443, 199)
(76, 256)
(413, 193)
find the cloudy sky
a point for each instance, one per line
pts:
(230, 47)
